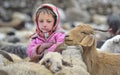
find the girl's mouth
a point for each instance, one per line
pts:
(44, 29)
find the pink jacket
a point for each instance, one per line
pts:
(38, 39)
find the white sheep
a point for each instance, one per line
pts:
(72, 55)
(112, 45)
(53, 61)
(9, 58)
(1, 60)
(25, 68)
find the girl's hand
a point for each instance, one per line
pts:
(46, 45)
(43, 47)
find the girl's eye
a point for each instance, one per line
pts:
(41, 21)
(49, 21)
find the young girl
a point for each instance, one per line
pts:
(47, 36)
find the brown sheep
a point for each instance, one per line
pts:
(98, 63)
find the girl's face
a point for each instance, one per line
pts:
(45, 22)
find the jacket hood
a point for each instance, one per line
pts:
(55, 10)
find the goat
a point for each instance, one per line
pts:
(98, 63)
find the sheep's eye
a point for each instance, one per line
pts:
(59, 67)
(48, 61)
(83, 32)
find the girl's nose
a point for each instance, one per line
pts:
(45, 24)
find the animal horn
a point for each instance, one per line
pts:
(6, 55)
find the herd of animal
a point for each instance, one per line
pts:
(82, 58)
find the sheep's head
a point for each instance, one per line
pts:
(53, 61)
(80, 35)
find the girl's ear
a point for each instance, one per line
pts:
(118, 32)
(88, 41)
(110, 31)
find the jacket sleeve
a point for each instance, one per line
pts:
(59, 40)
(31, 50)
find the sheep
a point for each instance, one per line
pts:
(5, 58)
(53, 61)
(4, 61)
(72, 55)
(98, 63)
(15, 58)
(3, 72)
(59, 65)
(112, 45)
(6, 55)
(1, 60)
(25, 68)
(9, 58)
(75, 70)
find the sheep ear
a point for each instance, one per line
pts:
(46, 62)
(43, 63)
(88, 41)
(65, 63)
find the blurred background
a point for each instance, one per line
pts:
(16, 22)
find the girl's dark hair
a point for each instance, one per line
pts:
(48, 11)
(114, 22)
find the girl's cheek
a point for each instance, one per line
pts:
(40, 24)
(52, 23)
